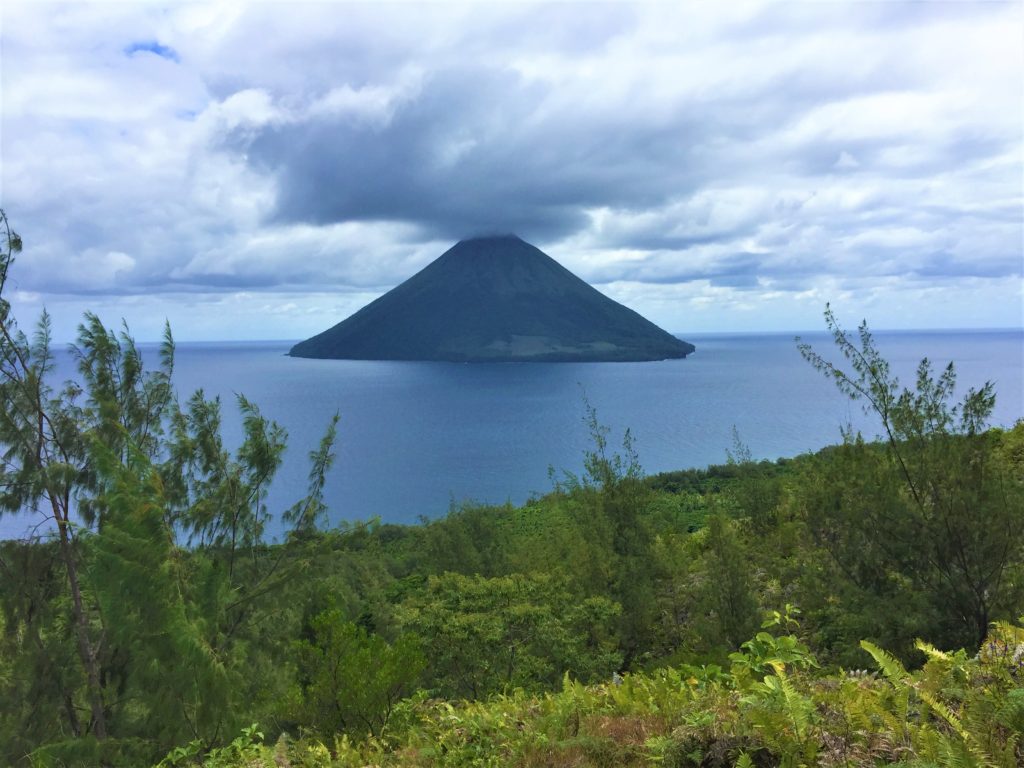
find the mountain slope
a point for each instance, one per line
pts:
(494, 299)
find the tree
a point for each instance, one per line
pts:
(44, 438)
(118, 471)
(484, 636)
(756, 488)
(933, 506)
(350, 680)
(157, 655)
(727, 592)
(612, 515)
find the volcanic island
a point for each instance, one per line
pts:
(494, 299)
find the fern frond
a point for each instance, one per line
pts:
(891, 667)
(951, 718)
(981, 757)
(931, 651)
(796, 705)
(1011, 712)
(951, 757)
(1006, 629)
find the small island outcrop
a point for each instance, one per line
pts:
(494, 299)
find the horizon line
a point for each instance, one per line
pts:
(680, 335)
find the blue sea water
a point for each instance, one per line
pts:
(415, 438)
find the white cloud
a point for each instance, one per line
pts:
(697, 160)
(846, 161)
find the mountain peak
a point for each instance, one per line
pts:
(494, 298)
(497, 237)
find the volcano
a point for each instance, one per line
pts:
(494, 299)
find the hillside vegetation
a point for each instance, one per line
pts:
(858, 607)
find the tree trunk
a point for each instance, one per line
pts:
(85, 648)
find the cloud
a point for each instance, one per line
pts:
(754, 150)
(846, 161)
(459, 158)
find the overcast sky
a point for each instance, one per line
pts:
(261, 170)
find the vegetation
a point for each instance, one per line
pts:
(770, 707)
(619, 620)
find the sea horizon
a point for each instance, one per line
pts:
(417, 438)
(851, 329)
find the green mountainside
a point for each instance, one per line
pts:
(494, 299)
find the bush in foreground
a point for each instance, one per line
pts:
(770, 708)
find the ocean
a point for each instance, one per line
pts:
(416, 438)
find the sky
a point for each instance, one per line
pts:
(262, 170)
